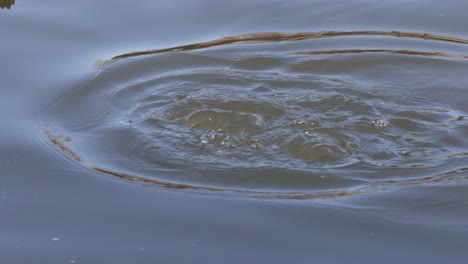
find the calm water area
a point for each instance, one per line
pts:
(233, 131)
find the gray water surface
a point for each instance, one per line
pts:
(254, 131)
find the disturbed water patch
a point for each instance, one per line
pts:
(272, 118)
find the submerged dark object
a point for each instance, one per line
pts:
(6, 3)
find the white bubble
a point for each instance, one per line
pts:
(379, 123)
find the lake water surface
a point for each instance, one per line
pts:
(232, 132)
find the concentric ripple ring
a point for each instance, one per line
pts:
(311, 115)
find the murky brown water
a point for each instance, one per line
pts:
(254, 131)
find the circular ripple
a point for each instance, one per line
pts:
(268, 119)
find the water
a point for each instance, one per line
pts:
(211, 118)
(174, 131)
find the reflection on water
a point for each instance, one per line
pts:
(6, 3)
(290, 116)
